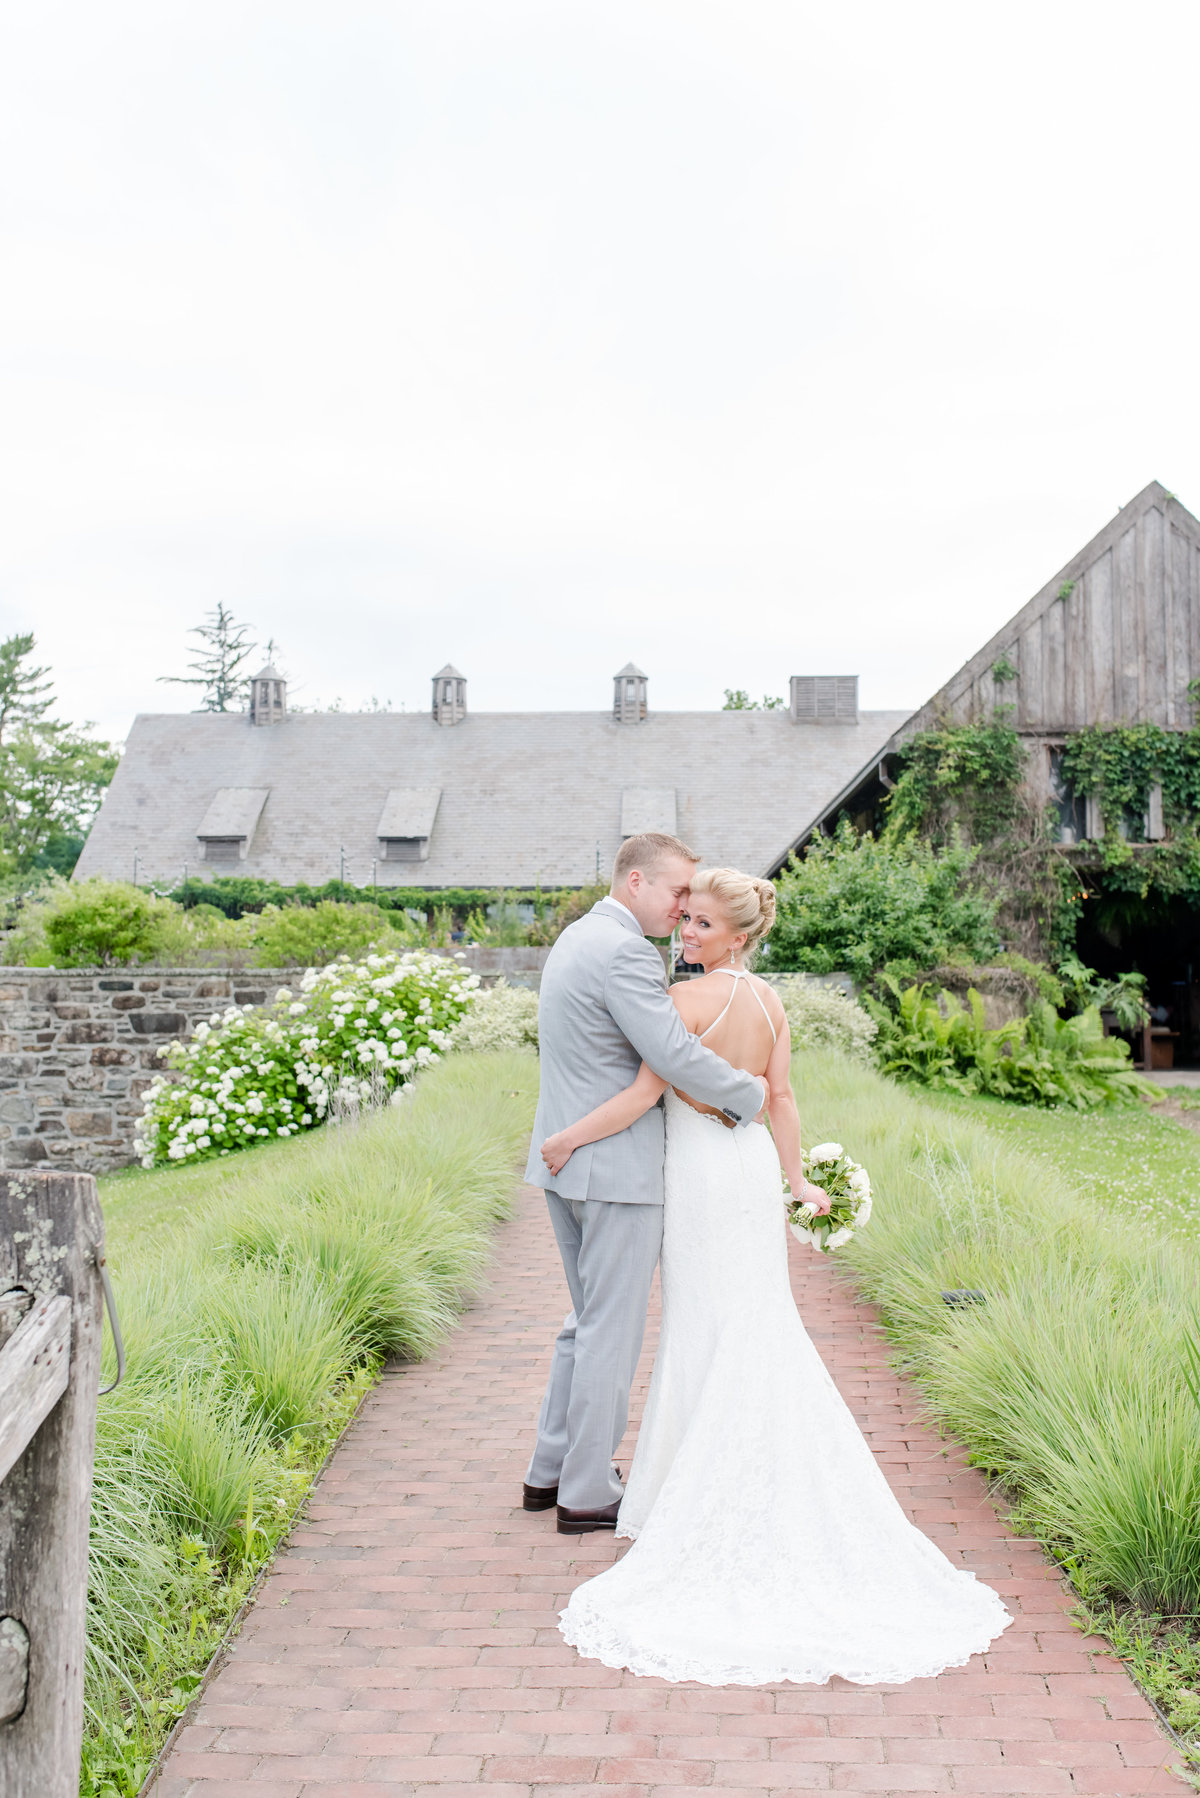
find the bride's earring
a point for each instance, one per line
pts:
(732, 963)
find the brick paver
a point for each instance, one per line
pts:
(406, 1635)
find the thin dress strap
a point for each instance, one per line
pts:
(736, 974)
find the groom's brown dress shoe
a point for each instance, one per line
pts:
(540, 1498)
(581, 1523)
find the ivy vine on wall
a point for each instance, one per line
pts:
(1117, 766)
(966, 776)
(969, 780)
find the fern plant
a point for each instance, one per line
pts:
(934, 1040)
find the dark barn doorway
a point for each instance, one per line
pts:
(1159, 938)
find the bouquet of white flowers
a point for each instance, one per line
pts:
(829, 1167)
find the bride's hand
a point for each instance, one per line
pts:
(557, 1151)
(815, 1195)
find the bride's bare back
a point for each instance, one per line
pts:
(743, 1036)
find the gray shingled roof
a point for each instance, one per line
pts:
(525, 796)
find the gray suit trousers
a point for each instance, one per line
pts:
(609, 1252)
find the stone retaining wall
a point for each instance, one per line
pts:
(78, 1050)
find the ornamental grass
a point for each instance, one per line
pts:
(255, 1317)
(1070, 1383)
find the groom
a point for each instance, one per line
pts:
(604, 1010)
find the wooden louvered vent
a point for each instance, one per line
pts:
(824, 699)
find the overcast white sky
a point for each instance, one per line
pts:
(744, 339)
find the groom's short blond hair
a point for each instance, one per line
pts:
(648, 851)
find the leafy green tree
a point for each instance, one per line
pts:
(52, 773)
(219, 663)
(738, 700)
(857, 903)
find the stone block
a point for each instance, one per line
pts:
(24, 1150)
(16, 1108)
(115, 986)
(149, 986)
(86, 1033)
(85, 1080)
(51, 1126)
(128, 1001)
(112, 1055)
(71, 1011)
(158, 1023)
(89, 1123)
(211, 989)
(250, 995)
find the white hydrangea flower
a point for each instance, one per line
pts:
(826, 1151)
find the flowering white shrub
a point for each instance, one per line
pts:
(824, 1017)
(502, 1017)
(250, 1072)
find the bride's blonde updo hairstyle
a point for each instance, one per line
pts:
(747, 901)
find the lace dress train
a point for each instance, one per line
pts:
(768, 1543)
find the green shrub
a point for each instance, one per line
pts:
(824, 1017)
(97, 923)
(311, 936)
(856, 904)
(502, 1017)
(202, 937)
(357, 1031)
(1039, 1060)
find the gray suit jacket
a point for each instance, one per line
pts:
(604, 1010)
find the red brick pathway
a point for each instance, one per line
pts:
(405, 1638)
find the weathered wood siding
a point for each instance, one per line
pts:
(1113, 638)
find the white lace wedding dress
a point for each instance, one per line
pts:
(768, 1544)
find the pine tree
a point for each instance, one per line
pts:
(226, 645)
(25, 693)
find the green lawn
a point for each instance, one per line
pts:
(1128, 1157)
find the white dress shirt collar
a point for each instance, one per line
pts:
(609, 900)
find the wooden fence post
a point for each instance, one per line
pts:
(51, 1244)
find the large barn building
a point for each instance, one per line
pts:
(455, 797)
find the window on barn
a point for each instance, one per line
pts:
(1070, 806)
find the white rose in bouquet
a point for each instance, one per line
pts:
(826, 1151)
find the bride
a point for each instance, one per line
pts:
(767, 1544)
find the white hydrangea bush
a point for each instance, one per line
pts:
(502, 1017)
(824, 1017)
(354, 1029)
